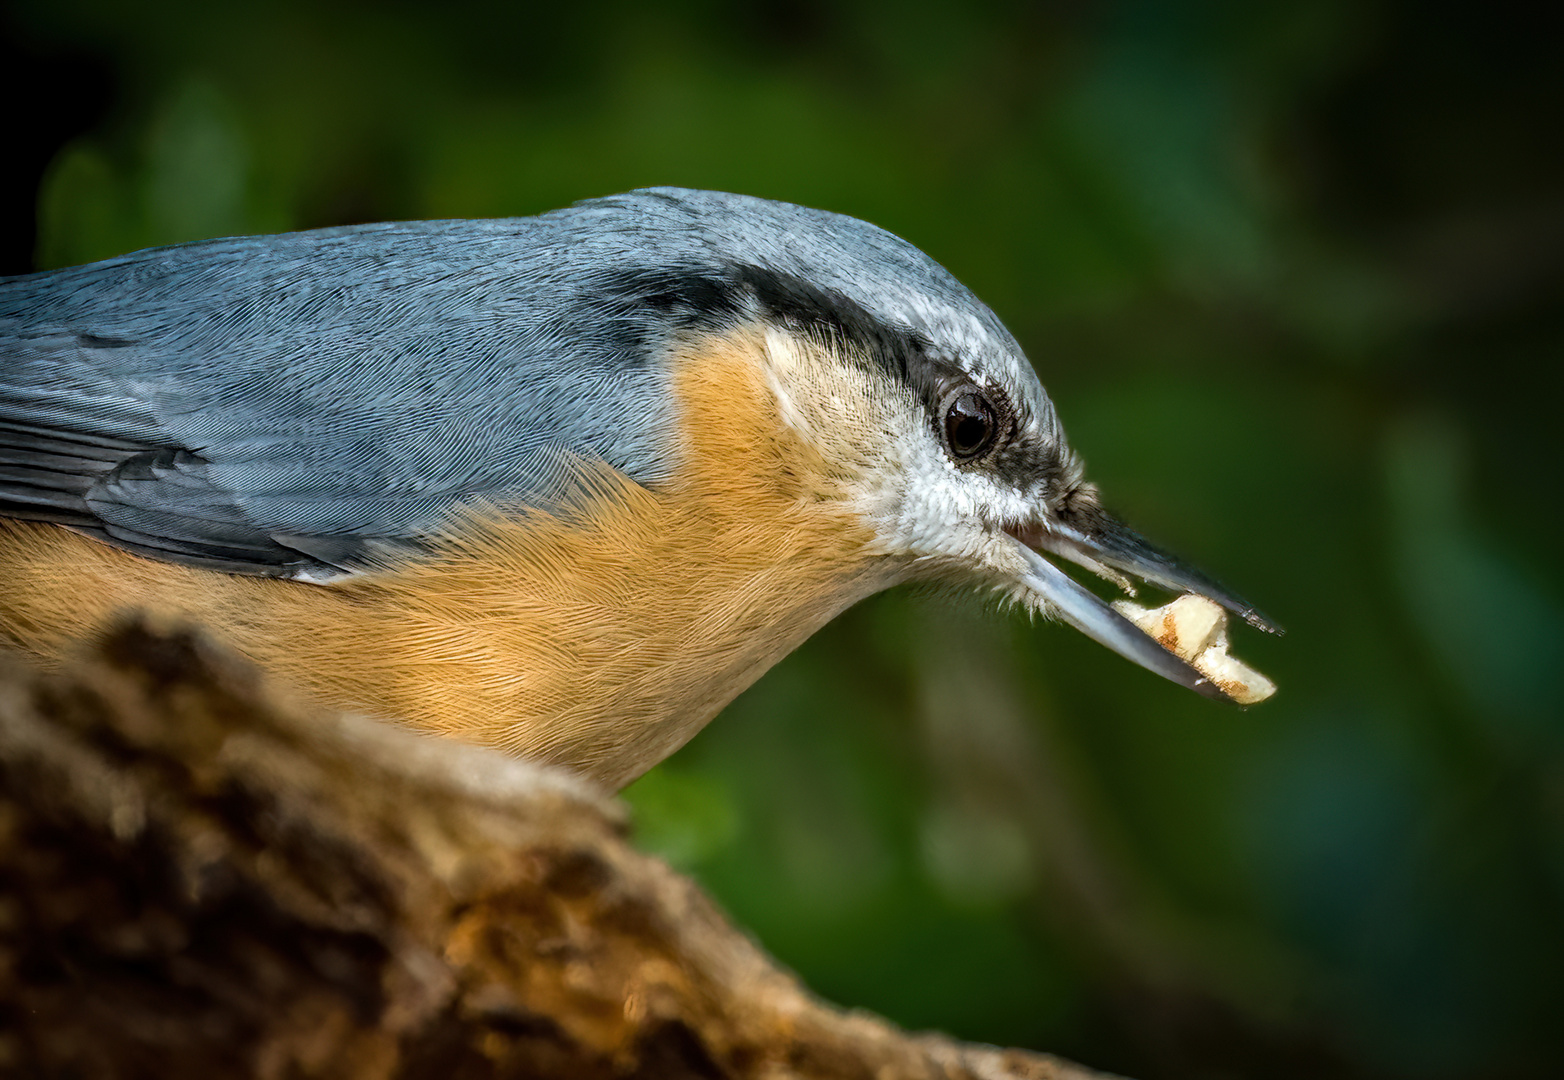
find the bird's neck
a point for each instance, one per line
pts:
(606, 634)
(606, 640)
(603, 635)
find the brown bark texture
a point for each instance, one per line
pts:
(201, 878)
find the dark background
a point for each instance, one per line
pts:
(1291, 272)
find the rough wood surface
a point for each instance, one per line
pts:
(199, 879)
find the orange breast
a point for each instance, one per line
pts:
(602, 636)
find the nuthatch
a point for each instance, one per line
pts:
(564, 484)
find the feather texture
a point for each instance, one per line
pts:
(603, 634)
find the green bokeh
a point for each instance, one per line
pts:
(1291, 272)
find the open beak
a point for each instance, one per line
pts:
(1112, 550)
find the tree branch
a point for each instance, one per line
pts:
(201, 879)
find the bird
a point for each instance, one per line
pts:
(564, 485)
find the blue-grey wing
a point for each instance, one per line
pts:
(290, 405)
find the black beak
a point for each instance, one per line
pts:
(1112, 550)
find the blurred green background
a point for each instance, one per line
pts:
(1291, 271)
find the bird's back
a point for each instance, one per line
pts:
(283, 404)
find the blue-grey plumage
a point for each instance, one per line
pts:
(334, 388)
(333, 406)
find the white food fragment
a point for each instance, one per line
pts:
(1195, 630)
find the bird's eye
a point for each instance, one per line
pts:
(971, 425)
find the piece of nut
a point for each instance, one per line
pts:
(1195, 630)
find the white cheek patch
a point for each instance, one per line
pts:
(934, 510)
(786, 368)
(839, 408)
(895, 471)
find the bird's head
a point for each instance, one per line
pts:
(950, 449)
